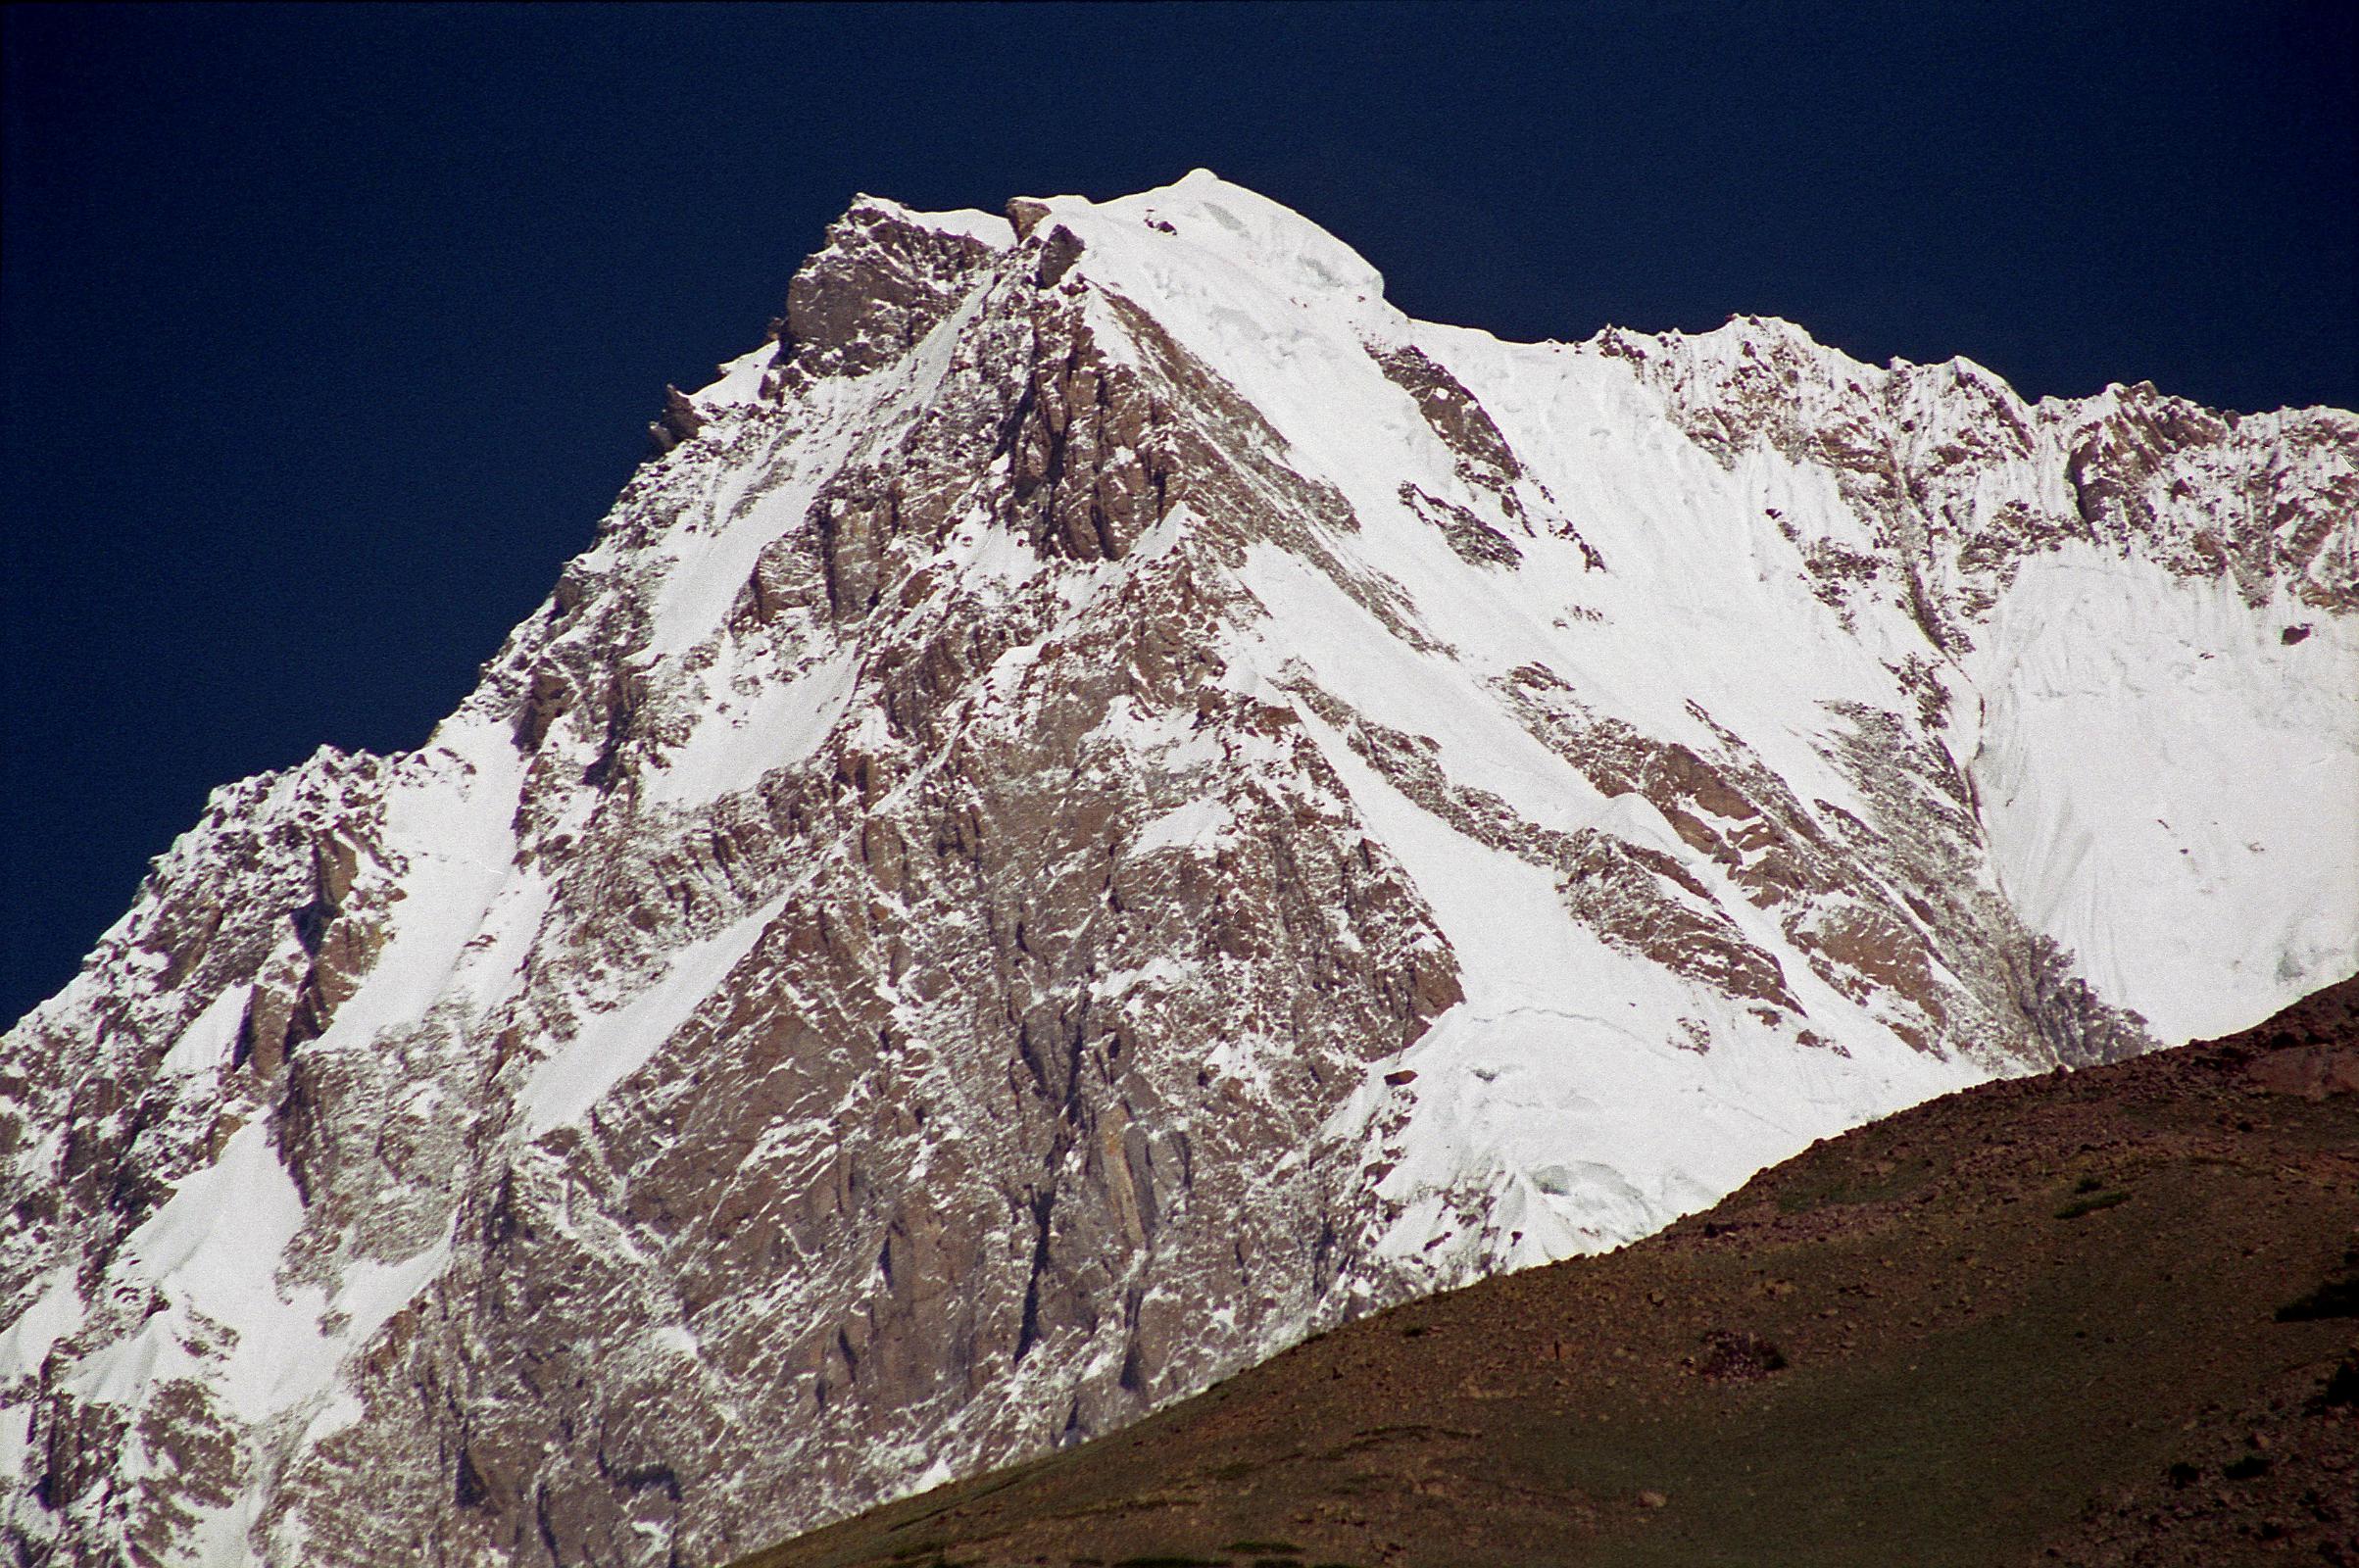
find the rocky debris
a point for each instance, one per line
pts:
(946, 932)
(1733, 1355)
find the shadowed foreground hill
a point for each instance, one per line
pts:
(2094, 1317)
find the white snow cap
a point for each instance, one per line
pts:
(1216, 219)
(989, 227)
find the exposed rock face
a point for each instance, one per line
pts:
(884, 278)
(1107, 803)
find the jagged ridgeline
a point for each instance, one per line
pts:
(1109, 801)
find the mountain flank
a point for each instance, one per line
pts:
(2094, 1317)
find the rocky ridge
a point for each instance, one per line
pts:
(1107, 801)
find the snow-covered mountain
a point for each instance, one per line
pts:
(1108, 800)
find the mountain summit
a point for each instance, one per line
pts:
(1106, 802)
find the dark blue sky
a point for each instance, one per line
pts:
(329, 332)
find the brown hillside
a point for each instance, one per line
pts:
(2094, 1317)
